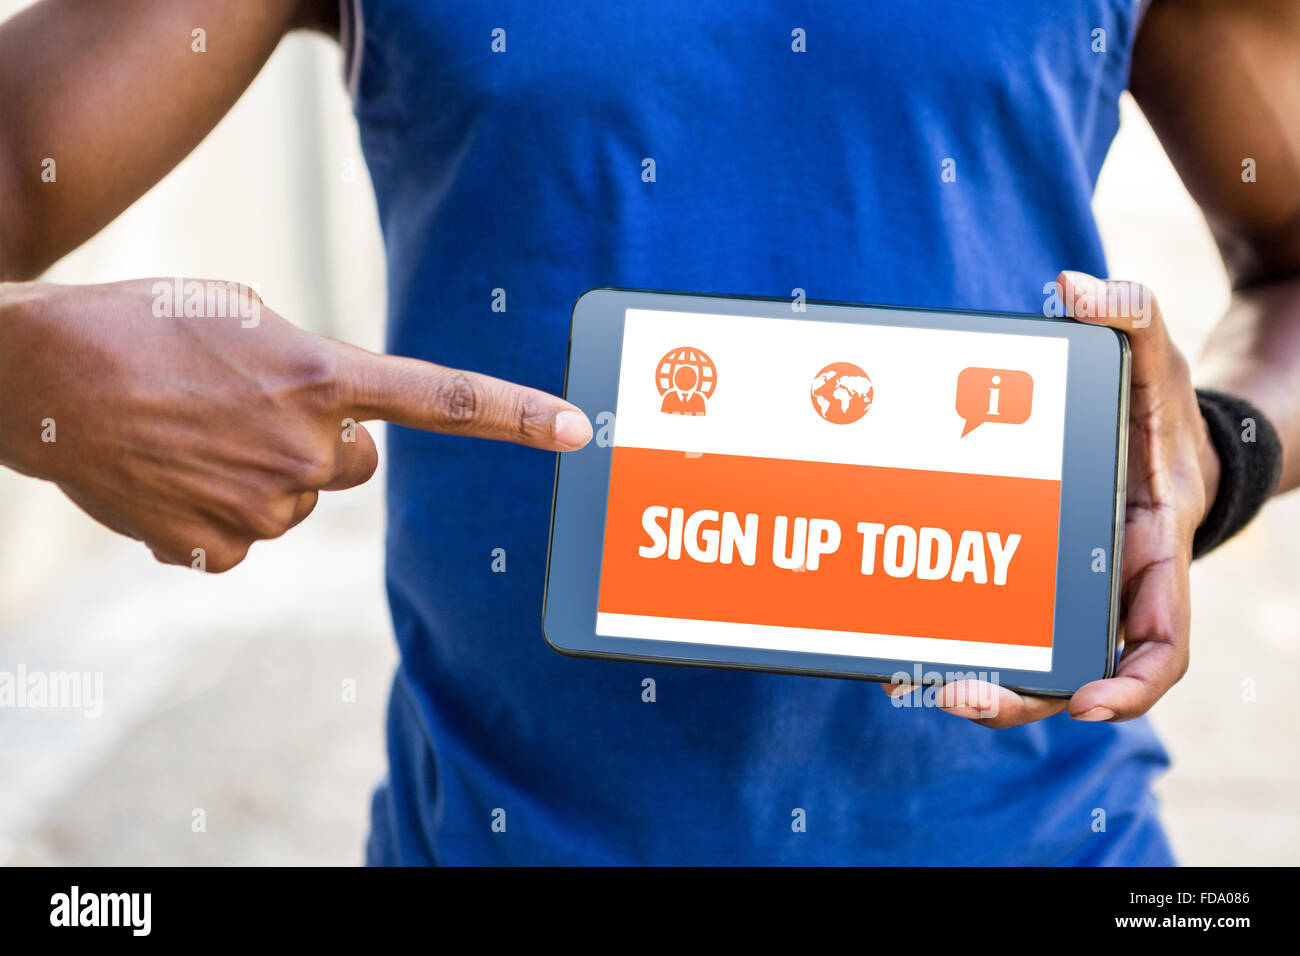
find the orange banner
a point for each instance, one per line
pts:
(830, 546)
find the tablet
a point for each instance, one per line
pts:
(841, 491)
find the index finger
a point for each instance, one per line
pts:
(407, 391)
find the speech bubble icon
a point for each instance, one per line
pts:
(993, 395)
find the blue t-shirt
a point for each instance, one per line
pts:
(936, 154)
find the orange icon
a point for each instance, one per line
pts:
(686, 379)
(842, 393)
(993, 395)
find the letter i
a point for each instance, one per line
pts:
(993, 395)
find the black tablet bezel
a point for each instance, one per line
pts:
(1092, 492)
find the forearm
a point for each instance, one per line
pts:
(98, 101)
(1254, 352)
(1220, 84)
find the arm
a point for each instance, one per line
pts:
(115, 95)
(196, 434)
(1220, 84)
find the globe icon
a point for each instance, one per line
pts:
(686, 377)
(842, 393)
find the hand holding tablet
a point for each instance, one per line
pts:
(1174, 476)
(844, 491)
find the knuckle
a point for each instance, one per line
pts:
(311, 468)
(317, 375)
(1166, 630)
(167, 553)
(457, 398)
(530, 414)
(1159, 631)
(169, 546)
(268, 518)
(227, 556)
(304, 506)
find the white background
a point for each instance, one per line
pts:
(762, 406)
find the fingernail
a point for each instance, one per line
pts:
(572, 429)
(1095, 713)
(962, 710)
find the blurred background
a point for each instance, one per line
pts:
(257, 696)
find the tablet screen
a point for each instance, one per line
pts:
(859, 490)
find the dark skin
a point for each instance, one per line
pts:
(201, 433)
(196, 436)
(1219, 82)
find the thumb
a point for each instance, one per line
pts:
(416, 394)
(1128, 307)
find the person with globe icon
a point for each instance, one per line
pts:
(686, 378)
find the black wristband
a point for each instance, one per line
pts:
(1250, 464)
